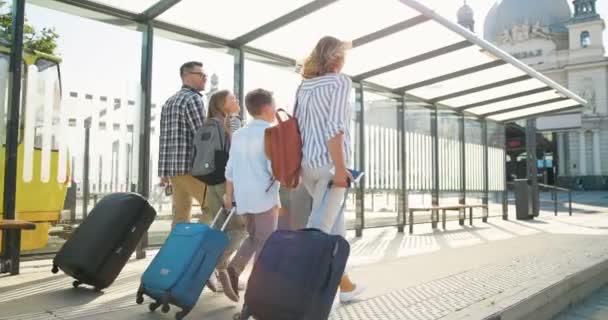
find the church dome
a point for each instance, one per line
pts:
(465, 13)
(553, 14)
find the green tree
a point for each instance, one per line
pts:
(43, 41)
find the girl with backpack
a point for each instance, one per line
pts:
(223, 107)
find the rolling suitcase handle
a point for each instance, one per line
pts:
(219, 213)
(357, 175)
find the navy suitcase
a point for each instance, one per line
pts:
(102, 244)
(184, 264)
(296, 276)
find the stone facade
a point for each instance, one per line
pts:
(567, 47)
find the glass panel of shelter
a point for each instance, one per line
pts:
(228, 19)
(382, 159)
(357, 23)
(432, 68)
(469, 81)
(496, 92)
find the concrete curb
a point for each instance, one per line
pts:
(539, 301)
(549, 302)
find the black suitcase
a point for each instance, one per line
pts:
(102, 244)
(296, 276)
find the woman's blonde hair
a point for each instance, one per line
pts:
(328, 52)
(217, 101)
(216, 104)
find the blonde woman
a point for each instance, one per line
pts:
(223, 107)
(324, 115)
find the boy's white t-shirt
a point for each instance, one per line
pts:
(250, 171)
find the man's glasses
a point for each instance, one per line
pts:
(201, 74)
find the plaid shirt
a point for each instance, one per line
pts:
(181, 116)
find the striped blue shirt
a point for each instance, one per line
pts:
(323, 112)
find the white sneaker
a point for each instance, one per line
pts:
(220, 288)
(242, 285)
(213, 284)
(346, 297)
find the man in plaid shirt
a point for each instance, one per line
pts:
(181, 116)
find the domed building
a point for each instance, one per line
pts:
(466, 17)
(503, 17)
(567, 46)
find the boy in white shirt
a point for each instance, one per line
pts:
(248, 177)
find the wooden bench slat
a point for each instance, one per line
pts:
(451, 207)
(16, 224)
(435, 213)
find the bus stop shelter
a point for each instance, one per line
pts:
(427, 66)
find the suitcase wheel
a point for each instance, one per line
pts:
(181, 314)
(76, 284)
(165, 308)
(244, 315)
(55, 269)
(153, 306)
(140, 294)
(240, 316)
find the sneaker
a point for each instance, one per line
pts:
(212, 285)
(242, 285)
(218, 284)
(227, 285)
(346, 297)
(234, 280)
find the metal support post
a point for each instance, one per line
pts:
(486, 170)
(531, 166)
(360, 193)
(86, 167)
(239, 78)
(462, 198)
(505, 193)
(435, 192)
(11, 247)
(143, 183)
(403, 195)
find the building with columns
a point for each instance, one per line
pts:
(567, 46)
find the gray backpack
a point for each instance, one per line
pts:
(210, 152)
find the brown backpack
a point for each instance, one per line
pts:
(283, 146)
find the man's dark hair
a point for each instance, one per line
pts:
(257, 99)
(188, 66)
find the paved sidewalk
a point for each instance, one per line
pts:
(429, 275)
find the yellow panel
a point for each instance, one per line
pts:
(50, 216)
(36, 196)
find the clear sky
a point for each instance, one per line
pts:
(104, 59)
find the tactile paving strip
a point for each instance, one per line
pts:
(438, 298)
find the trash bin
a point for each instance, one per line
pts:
(523, 199)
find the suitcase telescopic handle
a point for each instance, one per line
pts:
(230, 214)
(219, 213)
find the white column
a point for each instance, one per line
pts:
(597, 161)
(561, 153)
(582, 161)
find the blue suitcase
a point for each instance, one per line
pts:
(184, 264)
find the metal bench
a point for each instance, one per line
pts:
(435, 214)
(10, 264)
